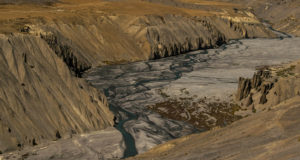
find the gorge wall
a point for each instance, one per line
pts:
(43, 47)
(96, 33)
(40, 99)
(119, 39)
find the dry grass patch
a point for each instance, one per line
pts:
(204, 114)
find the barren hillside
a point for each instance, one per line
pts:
(105, 32)
(40, 99)
(283, 15)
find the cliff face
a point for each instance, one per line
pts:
(269, 86)
(261, 83)
(173, 35)
(120, 39)
(40, 99)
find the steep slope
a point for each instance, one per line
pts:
(95, 33)
(40, 99)
(283, 15)
(272, 133)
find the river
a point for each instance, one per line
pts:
(130, 88)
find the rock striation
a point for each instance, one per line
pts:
(176, 35)
(145, 37)
(40, 100)
(261, 82)
(65, 52)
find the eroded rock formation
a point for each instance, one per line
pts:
(40, 99)
(261, 82)
(269, 86)
(141, 38)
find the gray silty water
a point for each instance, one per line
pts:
(132, 87)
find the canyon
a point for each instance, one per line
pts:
(212, 73)
(94, 79)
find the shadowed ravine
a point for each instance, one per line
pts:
(132, 87)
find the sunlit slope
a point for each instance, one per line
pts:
(105, 32)
(40, 99)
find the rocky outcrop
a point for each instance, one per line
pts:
(261, 82)
(269, 86)
(40, 100)
(171, 37)
(66, 53)
(244, 88)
